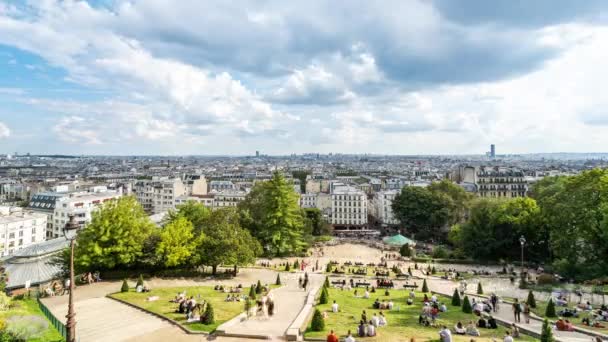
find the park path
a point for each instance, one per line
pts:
(289, 301)
(505, 313)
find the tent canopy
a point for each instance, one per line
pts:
(398, 240)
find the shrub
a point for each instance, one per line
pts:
(531, 300)
(208, 317)
(248, 306)
(405, 250)
(386, 293)
(252, 292)
(328, 268)
(373, 290)
(546, 333)
(25, 328)
(416, 265)
(296, 265)
(125, 286)
(140, 281)
(287, 267)
(425, 287)
(550, 312)
(278, 281)
(433, 270)
(5, 302)
(324, 299)
(456, 298)
(409, 270)
(479, 289)
(440, 252)
(317, 323)
(466, 305)
(545, 279)
(326, 283)
(258, 287)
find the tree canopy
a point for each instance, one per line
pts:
(422, 212)
(317, 225)
(194, 212)
(271, 212)
(178, 243)
(115, 236)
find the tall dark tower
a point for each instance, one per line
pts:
(492, 151)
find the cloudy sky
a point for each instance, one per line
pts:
(232, 77)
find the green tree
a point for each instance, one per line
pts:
(324, 298)
(466, 305)
(425, 287)
(252, 292)
(531, 300)
(115, 237)
(278, 281)
(296, 265)
(550, 311)
(479, 289)
(258, 287)
(287, 267)
(301, 175)
(317, 324)
(326, 282)
(328, 268)
(405, 250)
(226, 242)
(456, 298)
(314, 219)
(208, 316)
(194, 212)
(458, 199)
(424, 213)
(271, 212)
(178, 243)
(546, 334)
(125, 286)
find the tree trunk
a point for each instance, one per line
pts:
(236, 269)
(214, 270)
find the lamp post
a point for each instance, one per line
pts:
(522, 241)
(69, 231)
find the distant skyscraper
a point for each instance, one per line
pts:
(257, 153)
(492, 151)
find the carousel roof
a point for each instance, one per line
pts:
(398, 240)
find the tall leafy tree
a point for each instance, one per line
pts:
(115, 236)
(423, 212)
(314, 219)
(178, 243)
(272, 213)
(576, 209)
(226, 242)
(458, 200)
(194, 212)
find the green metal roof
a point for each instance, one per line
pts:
(398, 240)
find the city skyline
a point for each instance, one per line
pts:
(390, 78)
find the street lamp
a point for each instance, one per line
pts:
(522, 241)
(69, 231)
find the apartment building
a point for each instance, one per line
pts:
(217, 185)
(158, 195)
(348, 207)
(382, 207)
(228, 198)
(206, 200)
(501, 182)
(195, 185)
(81, 205)
(19, 229)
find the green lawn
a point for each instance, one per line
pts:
(223, 311)
(29, 307)
(541, 307)
(402, 320)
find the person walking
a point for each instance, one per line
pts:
(526, 313)
(494, 301)
(517, 311)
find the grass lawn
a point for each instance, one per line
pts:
(541, 307)
(29, 307)
(223, 311)
(402, 320)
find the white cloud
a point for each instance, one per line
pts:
(5, 132)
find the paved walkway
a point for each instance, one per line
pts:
(505, 313)
(289, 301)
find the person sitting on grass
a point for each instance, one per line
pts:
(332, 337)
(334, 307)
(410, 301)
(424, 320)
(412, 294)
(375, 320)
(425, 299)
(508, 337)
(361, 329)
(349, 337)
(445, 335)
(382, 320)
(459, 329)
(371, 329)
(568, 325)
(492, 323)
(355, 294)
(366, 295)
(514, 331)
(434, 312)
(390, 304)
(443, 308)
(472, 330)
(482, 323)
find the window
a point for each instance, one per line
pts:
(11, 235)
(20, 233)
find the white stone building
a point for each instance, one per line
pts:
(19, 229)
(206, 200)
(348, 206)
(228, 198)
(382, 207)
(159, 194)
(81, 205)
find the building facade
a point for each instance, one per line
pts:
(383, 210)
(20, 229)
(159, 195)
(348, 207)
(501, 183)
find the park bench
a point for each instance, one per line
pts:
(408, 286)
(359, 284)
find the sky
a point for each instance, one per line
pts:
(214, 77)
